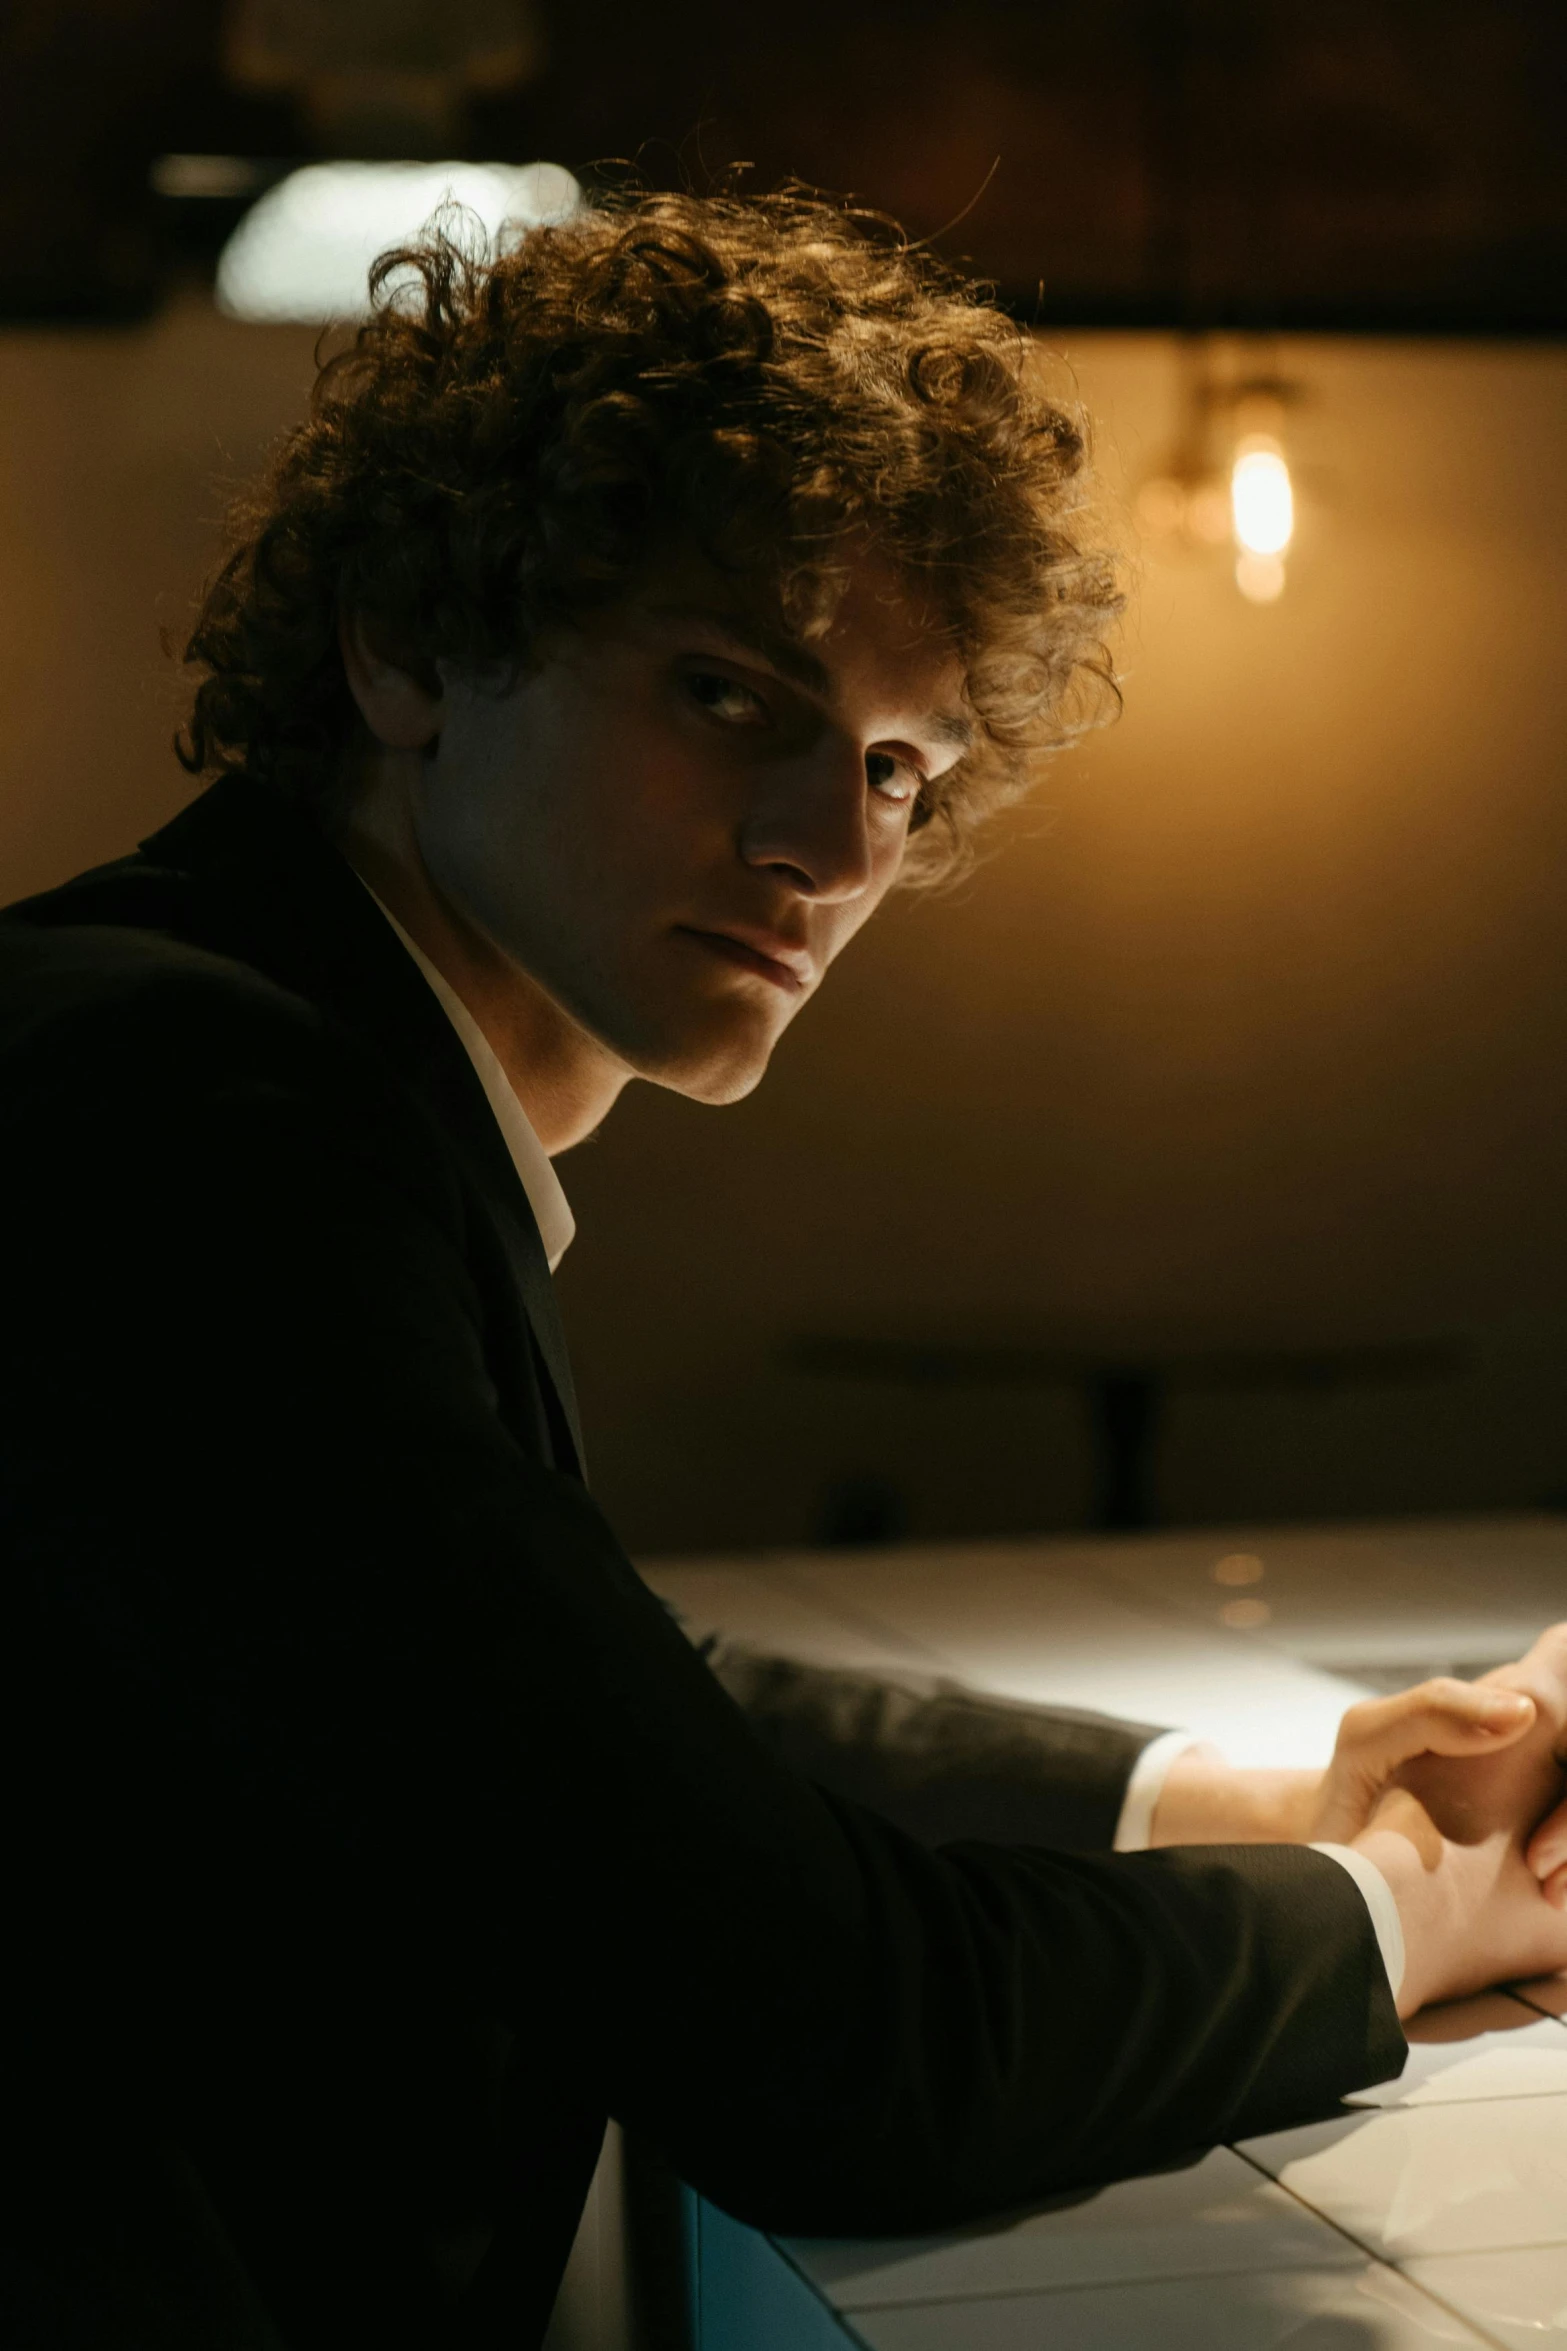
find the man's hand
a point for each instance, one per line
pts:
(1206, 1801)
(1475, 1847)
(1456, 1790)
(1472, 1910)
(1543, 1675)
(1464, 1725)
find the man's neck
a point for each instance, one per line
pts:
(563, 1078)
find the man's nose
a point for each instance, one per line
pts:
(810, 821)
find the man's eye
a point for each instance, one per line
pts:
(725, 697)
(891, 778)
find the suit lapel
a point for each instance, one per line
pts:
(274, 891)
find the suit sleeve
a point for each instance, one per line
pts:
(358, 1700)
(943, 1762)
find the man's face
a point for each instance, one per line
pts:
(675, 822)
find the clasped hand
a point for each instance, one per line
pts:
(1455, 1790)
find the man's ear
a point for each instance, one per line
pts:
(399, 694)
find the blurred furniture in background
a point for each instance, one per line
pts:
(1123, 1389)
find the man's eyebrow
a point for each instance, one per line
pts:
(948, 726)
(782, 653)
(792, 660)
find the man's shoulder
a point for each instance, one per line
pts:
(105, 960)
(108, 1008)
(135, 893)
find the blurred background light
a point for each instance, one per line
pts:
(1260, 578)
(1223, 480)
(1260, 495)
(303, 251)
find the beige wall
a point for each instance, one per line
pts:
(1251, 1031)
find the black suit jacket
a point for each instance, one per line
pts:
(375, 1831)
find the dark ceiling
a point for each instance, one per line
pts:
(1377, 164)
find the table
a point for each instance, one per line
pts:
(1429, 2211)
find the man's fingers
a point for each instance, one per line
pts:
(1555, 1888)
(1547, 1848)
(1541, 1671)
(1442, 1717)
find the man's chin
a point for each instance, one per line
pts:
(731, 1086)
(712, 1070)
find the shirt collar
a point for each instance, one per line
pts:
(551, 1209)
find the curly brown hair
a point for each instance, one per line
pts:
(773, 380)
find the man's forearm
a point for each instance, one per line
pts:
(947, 1762)
(943, 1762)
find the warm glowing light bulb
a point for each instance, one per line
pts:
(304, 250)
(1261, 499)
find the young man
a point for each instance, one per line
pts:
(625, 620)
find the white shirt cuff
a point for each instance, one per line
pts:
(1378, 1897)
(1144, 1789)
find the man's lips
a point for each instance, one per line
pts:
(779, 960)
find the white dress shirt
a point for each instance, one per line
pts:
(535, 1171)
(552, 1213)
